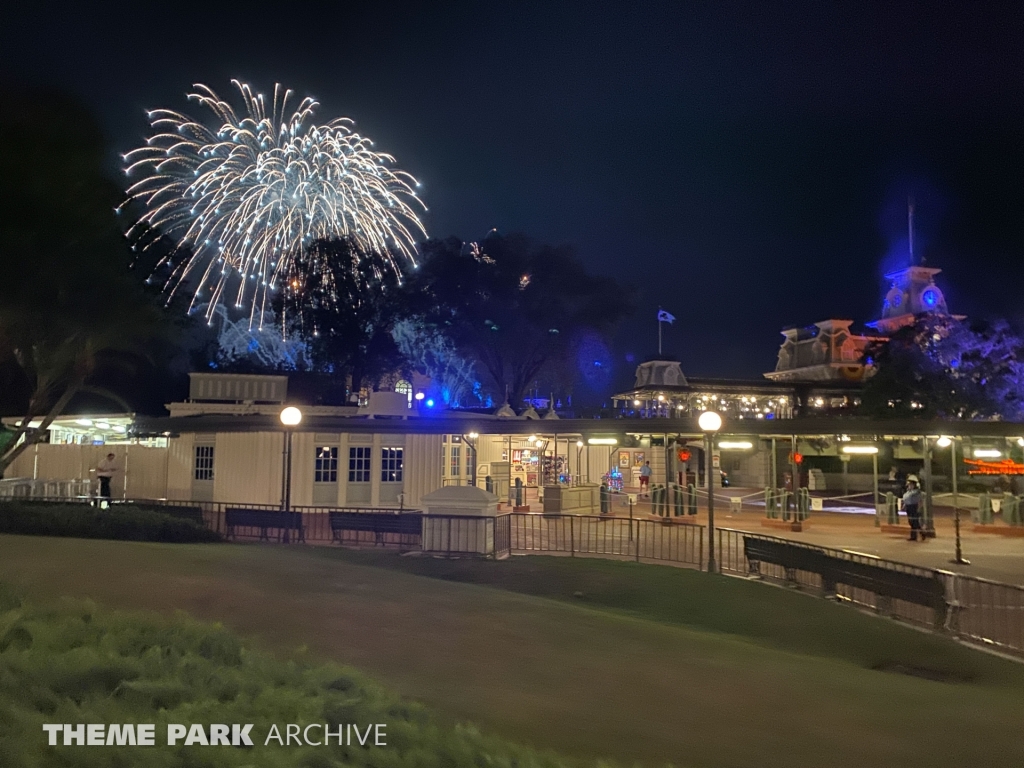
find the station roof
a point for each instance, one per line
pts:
(450, 423)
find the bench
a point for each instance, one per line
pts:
(792, 557)
(379, 524)
(916, 588)
(265, 520)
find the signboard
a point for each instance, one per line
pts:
(1002, 467)
(716, 461)
(638, 459)
(816, 504)
(623, 458)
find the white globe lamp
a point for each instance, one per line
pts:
(291, 416)
(709, 421)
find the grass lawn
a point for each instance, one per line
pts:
(68, 661)
(650, 664)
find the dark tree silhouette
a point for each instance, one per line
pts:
(516, 308)
(67, 299)
(941, 367)
(344, 300)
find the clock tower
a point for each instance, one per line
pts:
(912, 292)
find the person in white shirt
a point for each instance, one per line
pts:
(105, 470)
(645, 478)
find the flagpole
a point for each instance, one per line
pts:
(659, 337)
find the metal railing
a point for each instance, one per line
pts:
(978, 610)
(986, 612)
(609, 536)
(56, 490)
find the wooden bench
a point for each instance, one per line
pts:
(916, 588)
(379, 524)
(792, 557)
(265, 520)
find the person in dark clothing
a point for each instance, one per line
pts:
(912, 506)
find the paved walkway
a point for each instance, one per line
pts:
(993, 557)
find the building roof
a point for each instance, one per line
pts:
(585, 428)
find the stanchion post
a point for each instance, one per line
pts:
(630, 519)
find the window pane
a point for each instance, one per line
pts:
(391, 465)
(326, 468)
(359, 464)
(203, 467)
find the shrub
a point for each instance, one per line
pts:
(120, 521)
(74, 663)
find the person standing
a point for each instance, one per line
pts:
(912, 506)
(105, 470)
(645, 478)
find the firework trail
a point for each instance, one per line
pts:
(244, 198)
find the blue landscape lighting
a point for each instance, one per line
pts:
(430, 403)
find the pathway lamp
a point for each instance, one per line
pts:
(579, 460)
(949, 442)
(470, 440)
(291, 417)
(709, 423)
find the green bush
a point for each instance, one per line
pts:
(120, 521)
(195, 514)
(73, 663)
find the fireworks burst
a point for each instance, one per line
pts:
(244, 198)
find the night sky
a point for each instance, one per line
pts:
(747, 165)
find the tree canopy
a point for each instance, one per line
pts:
(520, 309)
(67, 297)
(942, 367)
(343, 300)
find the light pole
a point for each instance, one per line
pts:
(468, 439)
(290, 417)
(579, 462)
(709, 423)
(944, 442)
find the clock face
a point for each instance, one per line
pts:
(896, 300)
(930, 298)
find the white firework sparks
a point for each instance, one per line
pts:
(243, 198)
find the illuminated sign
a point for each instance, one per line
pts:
(1004, 467)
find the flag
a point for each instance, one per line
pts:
(665, 317)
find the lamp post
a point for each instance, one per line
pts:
(290, 417)
(944, 442)
(579, 462)
(709, 423)
(468, 439)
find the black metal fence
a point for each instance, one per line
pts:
(987, 612)
(605, 535)
(975, 609)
